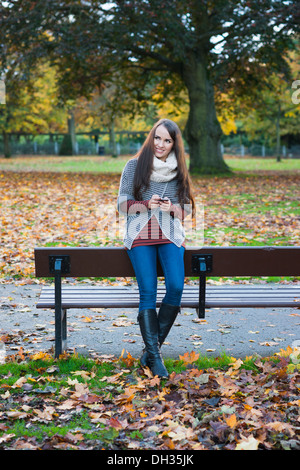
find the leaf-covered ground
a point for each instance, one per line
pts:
(114, 404)
(40, 208)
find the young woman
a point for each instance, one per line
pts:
(154, 195)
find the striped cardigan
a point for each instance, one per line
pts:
(137, 214)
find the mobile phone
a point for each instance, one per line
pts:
(164, 199)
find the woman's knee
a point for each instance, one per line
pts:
(147, 299)
(176, 285)
(174, 289)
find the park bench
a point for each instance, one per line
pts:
(108, 262)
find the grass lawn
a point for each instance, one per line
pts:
(65, 164)
(108, 164)
(256, 164)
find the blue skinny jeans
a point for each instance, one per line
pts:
(144, 262)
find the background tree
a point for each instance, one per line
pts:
(31, 104)
(271, 113)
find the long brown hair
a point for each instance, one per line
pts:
(145, 164)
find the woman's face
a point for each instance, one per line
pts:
(163, 143)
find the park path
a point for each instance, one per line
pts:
(237, 332)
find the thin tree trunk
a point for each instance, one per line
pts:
(6, 145)
(278, 157)
(112, 140)
(71, 131)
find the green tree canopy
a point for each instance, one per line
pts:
(31, 105)
(200, 46)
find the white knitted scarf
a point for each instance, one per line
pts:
(164, 171)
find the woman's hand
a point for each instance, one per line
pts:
(154, 202)
(165, 205)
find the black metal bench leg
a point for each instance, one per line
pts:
(64, 329)
(201, 264)
(58, 310)
(60, 314)
(60, 331)
(202, 287)
(58, 334)
(59, 265)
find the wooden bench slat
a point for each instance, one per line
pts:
(130, 303)
(215, 296)
(225, 287)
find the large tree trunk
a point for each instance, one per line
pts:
(203, 131)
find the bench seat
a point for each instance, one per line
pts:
(216, 296)
(200, 263)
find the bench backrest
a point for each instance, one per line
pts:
(227, 261)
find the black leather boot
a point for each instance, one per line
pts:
(166, 316)
(149, 328)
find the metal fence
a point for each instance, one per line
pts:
(128, 146)
(256, 150)
(83, 146)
